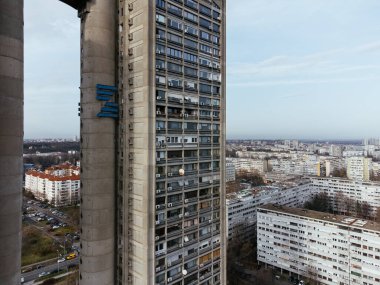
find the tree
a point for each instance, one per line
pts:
(319, 202)
(377, 215)
(339, 172)
(359, 212)
(349, 205)
(366, 210)
(339, 202)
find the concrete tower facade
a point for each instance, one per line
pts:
(11, 137)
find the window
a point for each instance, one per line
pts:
(216, 28)
(160, 34)
(174, 67)
(205, 23)
(204, 10)
(174, 38)
(205, 88)
(190, 57)
(175, 82)
(205, 74)
(174, 53)
(160, 49)
(205, 49)
(205, 62)
(175, 24)
(190, 85)
(160, 19)
(174, 10)
(191, 72)
(216, 40)
(160, 4)
(160, 64)
(160, 94)
(190, 16)
(191, 30)
(191, 4)
(174, 125)
(160, 79)
(191, 44)
(205, 36)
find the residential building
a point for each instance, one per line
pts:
(334, 250)
(358, 168)
(59, 185)
(230, 172)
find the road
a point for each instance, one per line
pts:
(29, 276)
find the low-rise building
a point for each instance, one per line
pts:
(59, 185)
(334, 250)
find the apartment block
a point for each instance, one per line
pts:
(334, 250)
(59, 185)
(358, 168)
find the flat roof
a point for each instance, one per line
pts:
(328, 217)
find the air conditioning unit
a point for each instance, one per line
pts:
(158, 51)
(170, 188)
(170, 205)
(170, 84)
(158, 175)
(158, 129)
(158, 66)
(170, 279)
(170, 174)
(158, 159)
(157, 237)
(186, 200)
(180, 245)
(169, 264)
(210, 181)
(201, 278)
(159, 98)
(180, 216)
(186, 214)
(201, 265)
(158, 191)
(186, 115)
(157, 222)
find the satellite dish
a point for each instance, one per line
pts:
(181, 172)
(184, 272)
(186, 239)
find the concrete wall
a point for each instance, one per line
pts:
(11, 138)
(98, 32)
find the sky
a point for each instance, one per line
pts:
(301, 69)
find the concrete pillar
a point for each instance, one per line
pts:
(98, 31)
(11, 138)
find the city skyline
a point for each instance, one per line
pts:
(329, 61)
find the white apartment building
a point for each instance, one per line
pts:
(230, 172)
(357, 190)
(250, 165)
(334, 250)
(241, 206)
(59, 185)
(358, 168)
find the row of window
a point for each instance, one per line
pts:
(188, 43)
(188, 29)
(178, 83)
(202, 9)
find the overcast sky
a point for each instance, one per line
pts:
(296, 69)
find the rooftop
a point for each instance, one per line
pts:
(328, 217)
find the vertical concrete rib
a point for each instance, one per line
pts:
(98, 30)
(11, 137)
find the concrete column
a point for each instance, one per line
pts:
(11, 137)
(98, 31)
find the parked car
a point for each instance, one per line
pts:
(61, 260)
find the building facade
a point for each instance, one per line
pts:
(358, 168)
(334, 250)
(170, 222)
(230, 172)
(59, 185)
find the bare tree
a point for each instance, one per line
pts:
(339, 202)
(366, 210)
(349, 205)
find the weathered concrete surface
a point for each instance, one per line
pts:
(11, 138)
(98, 32)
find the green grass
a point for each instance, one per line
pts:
(36, 247)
